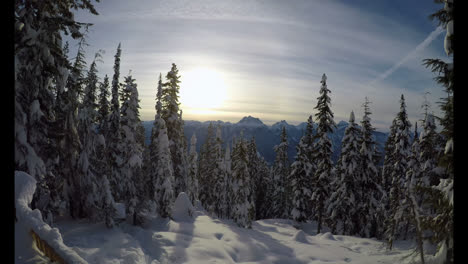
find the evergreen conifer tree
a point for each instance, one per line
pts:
(243, 210)
(192, 184)
(322, 176)
(173, 119)
(218, 176)
(103, 107)
(401, 155)
(347, 197)
(132, 160)
(441, 196)
(372, 210)
(206, 170)
(280, 173)
(97, 200)
(301, 171)
(114, 136)
(160, 164)
(227, 183)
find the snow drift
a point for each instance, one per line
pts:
(28, 219)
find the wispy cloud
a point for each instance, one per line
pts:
(270, 52)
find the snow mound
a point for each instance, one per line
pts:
(31, 220)
(182, 211)
(300, 236)
(327, 236)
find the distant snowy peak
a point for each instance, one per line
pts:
(250, 121)
(279, 125)
(342, 124)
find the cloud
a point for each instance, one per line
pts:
(273, 54)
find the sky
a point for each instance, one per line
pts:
(266, 58)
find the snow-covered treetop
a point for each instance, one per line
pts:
(351, 117)
(324, 79)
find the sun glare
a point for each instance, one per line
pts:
(202, 89)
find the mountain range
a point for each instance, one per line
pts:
(266, 137)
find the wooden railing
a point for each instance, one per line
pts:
(46, 249)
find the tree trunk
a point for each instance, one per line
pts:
(319, 226)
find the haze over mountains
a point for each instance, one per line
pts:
(266, 137)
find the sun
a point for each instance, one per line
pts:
(202, 89)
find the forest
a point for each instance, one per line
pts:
(82, 139)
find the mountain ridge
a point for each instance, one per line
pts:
(266, 137)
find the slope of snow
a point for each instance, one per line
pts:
(209, 240)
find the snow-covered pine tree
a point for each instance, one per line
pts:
(71, 145)
(401, 155)
(227, 182)
(389, 160)
(103, 108)
(164, 186)
(441, 196)
(301, 171)
(280, 171)
(410, 205)
(322, 176)
(114, 136)
(131, 176)
(206, 170)
(159, 166)
(428, 154)
(254, 165)
(175, 125)
(41, 70)
(372, 210)
(97, 200)
(218, 177)
(192, 183)
(262, 201)
(344, 203)
(243, 210)
(260, 175)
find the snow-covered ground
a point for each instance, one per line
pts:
(208, 240)
(192, 237)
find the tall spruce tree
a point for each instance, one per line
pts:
(372, 210)
(71, 144)
(114, 136)
(401, 155)
(301, 171)
(131, 172)
(192, 183)
(103, 107)
(97, 200)
(322, 176)
(206, 169)
(280, 173)
(41, 71)
(347, 198)
(160, 164)
(218, 177)
(227, 182)
(441, 196)
(243, 210)
(173, 119)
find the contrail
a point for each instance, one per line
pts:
(434, 34)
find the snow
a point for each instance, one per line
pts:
(210, 240)
(183, 209)
(28, 220)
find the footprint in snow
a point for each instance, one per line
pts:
(219, 235)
